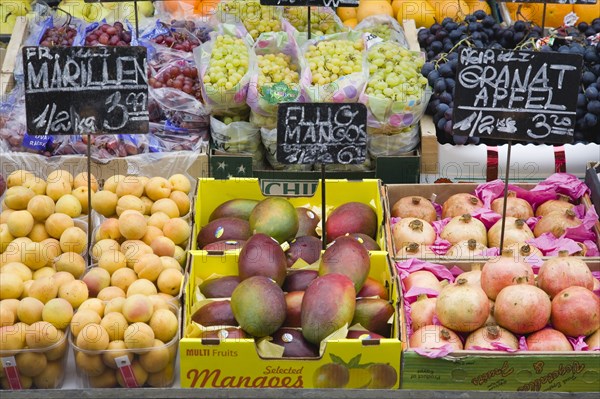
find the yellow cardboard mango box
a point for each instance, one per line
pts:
(235, 363)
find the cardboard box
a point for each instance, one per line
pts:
(212, 193)
(235, 363)
(440, 192)
(18, 36)
(501, 371)
(592, 179)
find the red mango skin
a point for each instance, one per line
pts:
(307, 248)
(221, 287)
(294, 343)
(371, 288)
(299, 280)
(262, 256)
(307, 222)
(217, 313)
(328, 304)
(351, 217)
(367, 241)
(293, 301)
(237, 208)
(373, 314)
(226, 245)
(349, 257)
(223, 229)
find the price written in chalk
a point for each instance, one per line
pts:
(86, 90)
(328, 133)
(516, 95)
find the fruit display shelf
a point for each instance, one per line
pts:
(7, 80)
(517, 369)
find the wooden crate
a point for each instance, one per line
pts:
(7, 79)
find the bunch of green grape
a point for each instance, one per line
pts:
(321, 22)
(329, 60)
(268, 122)
(230, 119)
(275, 68)
(384, 31)
(395, 73)
(256, 18)
(228, 64)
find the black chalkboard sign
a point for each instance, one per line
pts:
(328, 133)
(311, 3)
(516, 95)
(86, 90)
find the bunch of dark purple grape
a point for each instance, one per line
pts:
(58, 36)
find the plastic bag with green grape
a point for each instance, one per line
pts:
(385, 27)
(255, 17)
(323, 21)
(396, 93)
(392, 141)
(234, 135)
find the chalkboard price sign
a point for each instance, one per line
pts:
(327, 133)
(516, 95)
(86, 90)
(311, 3)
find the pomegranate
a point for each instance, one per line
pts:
(548, 339)
(515, 207)
(560, 204)
(556, 222)
(576, 311)
(464, 227)
(462, 307)
(522, 249)
(596, 284)
(422, 312)
(467, 249)
(459, 204)
(593, 341)
(414, 250)
(490, 320)
(562, 272)
(486, 336)
(422, 279)
(473, 276)
(414, 207)
(412, 230)
(522, 308)
(503, 271)
(434, 337)
(515, 230)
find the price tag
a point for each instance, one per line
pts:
(38, 143)
(126, 371)
(11, 372)
(516, 95)
(328, 133)
(86, 90)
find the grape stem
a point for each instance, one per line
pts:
(466, 40)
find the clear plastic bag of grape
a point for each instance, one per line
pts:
(269, 140)
(323, 21)
(166, 137)
(392, 141)
(334, 67)
(274, 74)
(396, 93)
(239, 137)
(256, 18)
(385, 27)
(268, 122)
(223, 63)
(104, 34)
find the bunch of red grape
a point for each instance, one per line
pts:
(58, 36)
(183, 77)
(109, 35)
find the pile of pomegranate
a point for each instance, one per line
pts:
(503, 305)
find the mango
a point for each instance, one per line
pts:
(236, 208)
(367, 241)
(262, 256)
(349, 257)
(383, 376)
(299, 280)
(226, 245)
(275, 217)
(294, 343)
(258, 304)
(328, 305)
(351, 217)
(293, 301)
(217, 313)
(372, 287)
(223, 229)
(331, 375)
(307, 222)
(230, 333)
(373, 314)
(307, 248)
(221, 287)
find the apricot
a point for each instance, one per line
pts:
(112, 261)
(57, 223)
(116, 324)
(139, 336)
(123, 278)
(75, 292)
(69, 205)
(142, 286)
(130, 185)
(93, 337)
(163, 246)
(164, 323)
(116, 349)
(178, 230)
(30, 310)
(103, 246)
(35, 184)
(52, 376)
(169, 281)
(157, 359)
(43, 289)
(180, 183)
(138, 372)
(23, 271)
(107, 379)
(147, 205)
(167, 206)
(114, 305)
(158, 220)
(38, 233)
(93, 304)
(163, 378)
(20, 223)
(57, 189)
(130, 203)
(132, 225)
(18, 177)
(60, 174)
(61, 278)
(92, 365)
(109, 293)
(137, 308)
(109, 229)
(45, 271)
(111, 183)
(81, 194)
(73, 239)
(30, 364)
(148, 267)
(59, 349)
(41, 334)
(105, 203)
(70, 262)
(18, 197)
(34, 256)
(82, 318)
(58, 312)
(81, 180)
(151, 233)
(41, 207)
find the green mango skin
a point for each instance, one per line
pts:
(262, 256)
(221, 287)
(217, 313)
(328, 304)
(235, 208)
(349, 257)
(223, 229)
(373, 315)
(275, 217)
(351, 217)
(372, 287)
(307, 222)
(258, 305)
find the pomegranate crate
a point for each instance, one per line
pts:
(439, 193)
(495, 370)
